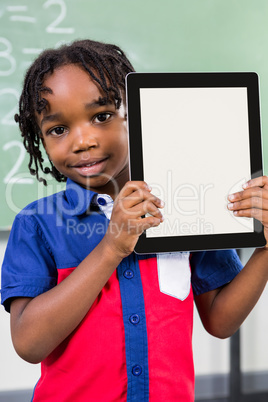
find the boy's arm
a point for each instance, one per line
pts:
(223, 310)
(40, 324)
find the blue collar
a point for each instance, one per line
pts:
(79, 198)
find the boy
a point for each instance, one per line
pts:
(106, 332)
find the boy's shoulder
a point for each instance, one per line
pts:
(74, 200)
(40, 205)
(40, 210)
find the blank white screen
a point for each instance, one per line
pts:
(196, 152)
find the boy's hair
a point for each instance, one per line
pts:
(106, 64)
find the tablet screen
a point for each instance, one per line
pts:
(196, 147)
(200, 153)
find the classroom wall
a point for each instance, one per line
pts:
(175, 35)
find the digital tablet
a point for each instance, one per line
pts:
(195, 138)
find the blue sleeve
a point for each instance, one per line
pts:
(213, 269)
(28, 268)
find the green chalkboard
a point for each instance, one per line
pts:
(170, 35)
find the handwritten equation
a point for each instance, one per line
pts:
(23, 18)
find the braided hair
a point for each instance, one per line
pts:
(105, 63)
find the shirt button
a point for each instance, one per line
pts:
(137, 370)
(102, 201)
(134, 319)
(129, 274)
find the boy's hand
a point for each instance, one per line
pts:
(127, 221)
(252, 201)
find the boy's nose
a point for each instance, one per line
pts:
(83, 140)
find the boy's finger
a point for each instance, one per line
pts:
(249, 193)
(140, 209)
(148, 222)
(261, 181)
(148, 207)
(250, 213)
(254, 202)
(132, 186)
(140, 196)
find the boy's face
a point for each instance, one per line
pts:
(86, 141)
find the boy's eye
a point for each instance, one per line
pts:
(57, 130)
(102, 117)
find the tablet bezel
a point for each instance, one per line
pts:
(136, 81)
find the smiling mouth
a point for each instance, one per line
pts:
(90, 168)
(89, 164)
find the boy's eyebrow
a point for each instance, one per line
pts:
(57, 116)
(49, 118)
(97, 102)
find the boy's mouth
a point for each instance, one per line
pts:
(90, 167)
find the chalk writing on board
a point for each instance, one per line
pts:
(5, 54)
(54, 26)
(11, 176)
(8, 118)
(8, 65)
(27, 27)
